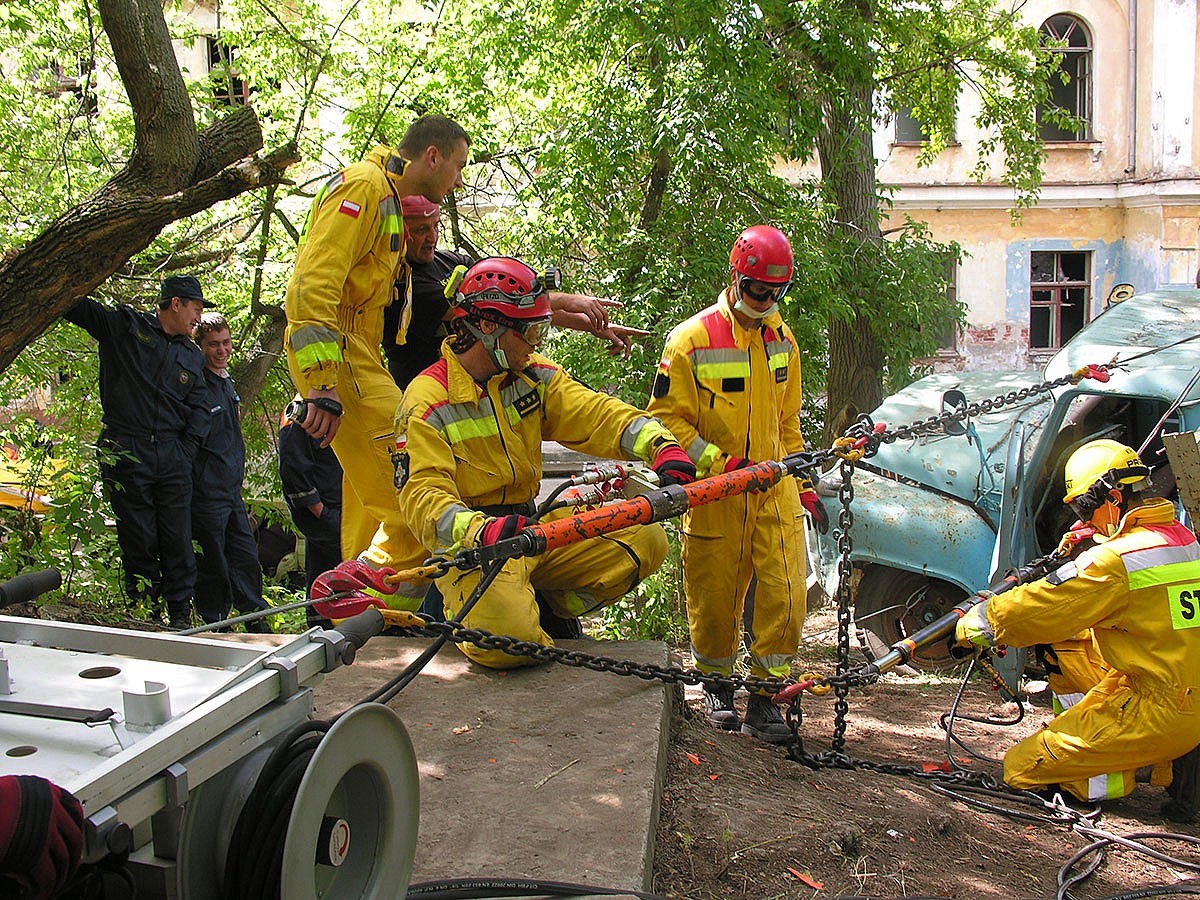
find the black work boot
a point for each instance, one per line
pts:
(721, 713)
(179, 615)
(764, 721)
(1184, 790)
(555, 625)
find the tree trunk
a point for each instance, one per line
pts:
(173, 172)
(856, 359)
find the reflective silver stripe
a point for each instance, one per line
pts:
(1138, 560)
(718, 355)
(711, 364)
(542, 372)
(1065, 572)
(518, 390)
(696, 448)
(630, 434)
(445, 524)
(449, 413)
(1098, 787)
(771, 661)
(314, 334)
(723, 665)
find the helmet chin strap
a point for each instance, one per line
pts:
(491, 344)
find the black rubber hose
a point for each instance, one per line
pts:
(253, 870)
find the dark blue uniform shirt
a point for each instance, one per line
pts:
(221, 462)
(151, 384)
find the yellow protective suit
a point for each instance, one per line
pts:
(727, 392)
(1139, 593)
(466, 448)
(349, 258)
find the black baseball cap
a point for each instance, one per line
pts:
(185, 287)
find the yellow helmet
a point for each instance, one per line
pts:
(1097, 459)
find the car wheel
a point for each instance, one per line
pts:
(896, 604)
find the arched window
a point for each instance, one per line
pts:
(1074, 43)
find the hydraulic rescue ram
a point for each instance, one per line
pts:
(942, 629)
(655, 506)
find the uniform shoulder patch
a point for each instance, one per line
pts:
(662, 385)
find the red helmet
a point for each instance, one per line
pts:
(504, 290)
(763, 254)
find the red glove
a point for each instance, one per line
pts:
(501, 528)
(672, 466)
(812, 505)
(41, 837)
(736, 462)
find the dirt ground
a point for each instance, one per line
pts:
(741, 820)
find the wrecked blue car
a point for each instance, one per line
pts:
(948, 513)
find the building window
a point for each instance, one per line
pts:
(908, 129)
(227, 86)
(947, 336)
(1060, 297)
(911, 130)
(1074, 97)
(948, 342)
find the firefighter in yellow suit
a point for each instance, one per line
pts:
(728, 386)
(473, 425)
(347, 264)
(1135, 595)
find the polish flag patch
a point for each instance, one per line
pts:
(350, 209)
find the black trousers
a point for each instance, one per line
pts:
(322, 545)
(228, 574)
(148, 482)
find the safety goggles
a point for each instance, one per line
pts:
(761, 291)
(534, 333)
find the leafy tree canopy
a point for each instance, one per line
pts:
(626, 141)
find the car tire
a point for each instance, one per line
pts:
(896, 604)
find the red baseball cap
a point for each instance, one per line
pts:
(417, 207)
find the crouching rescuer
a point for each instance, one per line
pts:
(469, 460)
(1123, 622)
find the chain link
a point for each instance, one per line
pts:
(982, 407)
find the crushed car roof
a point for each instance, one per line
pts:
(1154, 338)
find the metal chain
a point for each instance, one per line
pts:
(841, 685)
(991, 404)
(459, 633)
(844, 679)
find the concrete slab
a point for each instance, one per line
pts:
(550, 773)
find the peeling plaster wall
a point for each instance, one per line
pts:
(1131, 245)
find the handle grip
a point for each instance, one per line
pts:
(361, 628)
(26, 587)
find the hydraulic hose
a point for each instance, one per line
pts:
(254, 864)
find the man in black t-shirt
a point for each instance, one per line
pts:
(431, 267)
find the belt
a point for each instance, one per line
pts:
(144, 435)
(527, 509)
